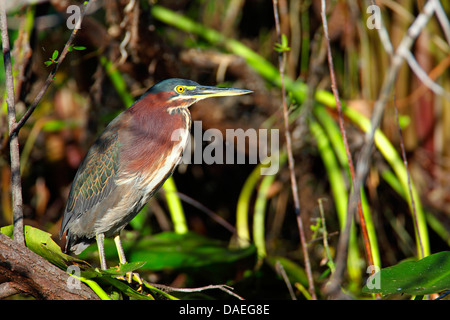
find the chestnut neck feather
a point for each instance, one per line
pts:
(147, 140)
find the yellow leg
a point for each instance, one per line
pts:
(120, 252)
(101, 250)
(123, 260)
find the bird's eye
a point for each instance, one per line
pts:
(179, 89)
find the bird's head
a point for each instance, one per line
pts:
(181, 93)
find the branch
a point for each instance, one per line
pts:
(28, 273)
(51, 76)
(409, 57)
(294, 187)
(334, 88)
(222, 287)
(16, 185)
(423, 76)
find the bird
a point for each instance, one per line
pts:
(129, 162)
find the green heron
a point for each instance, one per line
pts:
(129, 162)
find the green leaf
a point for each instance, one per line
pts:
(41, 243)
(48, 63)
(120, 270)
(123, 268)
(79, 48)
(283, 46)
(123, 287)
(428, 275)
(55, 54)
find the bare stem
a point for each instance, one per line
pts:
(282, 62)
(413, 203)
(222, 287)
(16, 184)
(51, 76)
(335, 90)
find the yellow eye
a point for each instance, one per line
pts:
(179, 89)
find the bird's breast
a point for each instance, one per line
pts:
(150, 154)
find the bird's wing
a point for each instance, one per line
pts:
(95, 178)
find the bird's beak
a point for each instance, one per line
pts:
(203, 92)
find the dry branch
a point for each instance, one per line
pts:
(335, 90)
(23, 271)
(16, 185)
(291, 163)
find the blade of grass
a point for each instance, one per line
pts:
(393, 158)
(408, 177)
(331, 129)
(335, 90)
(175, 207)
(260, 207)
(94, 286)
(263, 67)
(243, 205)
(340, 196)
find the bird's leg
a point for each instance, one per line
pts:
(123, 260)
(120, 251)
(101, 249)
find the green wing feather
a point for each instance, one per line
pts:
(95, 178)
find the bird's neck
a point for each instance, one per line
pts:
(153, 136)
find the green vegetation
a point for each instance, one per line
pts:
(235, 43)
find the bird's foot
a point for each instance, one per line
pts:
(130, 276)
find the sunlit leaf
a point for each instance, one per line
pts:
(55, 54)
(428, 275)
(41, 243)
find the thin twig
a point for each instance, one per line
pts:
(325, 236)
(442, 18)
(405, 161)
(281, 61)
(335, 90)
(207, 211)
(280, 270)
(384, 36)
(363, 161)
(51, 76)
(222, 287)
(423, 76)
(16, 184)
(409, 57)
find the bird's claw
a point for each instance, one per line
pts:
(130, 276)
